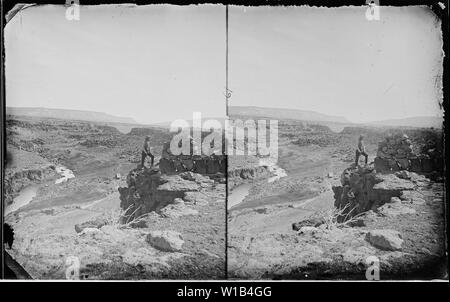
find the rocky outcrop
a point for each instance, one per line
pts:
(245, 168)
(201, 164)
(148, 190)
(241, 175)
(108, 129)
(109, 141)
(311, 222)
(15, 181)
(397, 152)
(250, 172)
(363, 189)
(394, 153)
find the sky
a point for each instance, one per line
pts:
(336, 62)
(151, 63)
(159, 63)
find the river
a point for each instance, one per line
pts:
(27, 194)
(239, 193)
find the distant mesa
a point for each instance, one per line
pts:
(335, 123)
(417, 121)
(285, 114)
(68, 114)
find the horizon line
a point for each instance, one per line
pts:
(282, 108)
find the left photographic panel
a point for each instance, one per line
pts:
(99, 101)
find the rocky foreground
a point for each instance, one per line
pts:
(86, 222)
(400, 221)
(328, 219)
(184, 238)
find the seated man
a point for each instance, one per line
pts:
(146, 151)
(361, 150)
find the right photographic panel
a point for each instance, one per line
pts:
(335, 165)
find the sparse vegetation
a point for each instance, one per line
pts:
(340, 217)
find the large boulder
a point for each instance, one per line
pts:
(311, 222)
(92, 224)
(167, 241)
(390, 185)
(389, 240)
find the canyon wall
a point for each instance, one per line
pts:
(16, 180)
(362, 189)
(148, 190)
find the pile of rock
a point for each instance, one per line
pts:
(202, 164)
(394, 153)
(397, 153)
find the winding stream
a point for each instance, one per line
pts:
(240, 192)
(27, 194)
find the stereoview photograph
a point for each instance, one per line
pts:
(213, 142)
